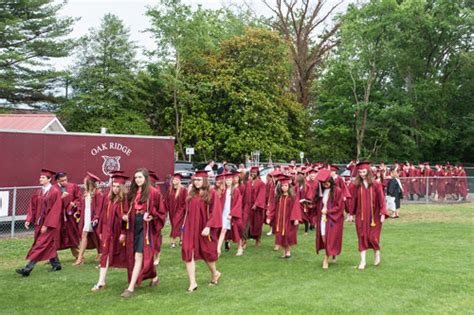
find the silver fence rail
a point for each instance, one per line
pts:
(14, 201)
(14, 204)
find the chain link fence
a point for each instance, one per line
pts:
(437, 189)
(14, 204)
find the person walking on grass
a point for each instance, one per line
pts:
(112, 230)
(89, 211)
(199, 232)
(44, 213)
(140, 233)
(368, 206)
(330, 201)
(286, 214)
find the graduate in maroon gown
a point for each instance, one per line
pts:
(463, 190)
(286, 213)
(305, 195)
(112, 229)
(140, 232)
(44, 214)
(175, 204)
(313, 183)
(255, 207)
(203, 219)
(88, 212)
(368, 205)
(231, 203)
(330, 203)
(70, 236)
(160, 219)
(440, 183)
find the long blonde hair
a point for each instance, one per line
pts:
(120, 196)
(89, 188)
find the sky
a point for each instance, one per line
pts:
(132, 13)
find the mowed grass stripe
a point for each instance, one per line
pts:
(427, 267)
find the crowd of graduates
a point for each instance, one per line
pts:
(124, 221)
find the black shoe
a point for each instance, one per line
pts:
(227, 248)
(55, 268)
(23, 272)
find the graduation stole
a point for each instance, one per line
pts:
(147, 235)
(279, 214)
(328, 208)
(208, 235)
(361, 202)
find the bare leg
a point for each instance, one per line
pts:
(362, 260)
(191, 269)
(103, 274)
(326, 262)
(377, 258)
(215, 275)
(137, 267)
(221, 241)
(82, 249)
(240, 249)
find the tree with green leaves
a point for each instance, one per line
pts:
(104, 82)
(31, 34)
(392, 87)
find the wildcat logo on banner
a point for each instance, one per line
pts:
(111, 163)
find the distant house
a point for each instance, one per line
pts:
(43, 122)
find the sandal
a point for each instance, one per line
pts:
(154, 283)
(126, 294)
(215, 282)
(97, 287)
(78, 262)
(192, 290)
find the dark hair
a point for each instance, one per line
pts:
(145, 188)
(60, 175)
(301, 180)
(331, 191)
(279, 191)
(204, 192)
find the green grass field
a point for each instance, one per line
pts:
(427, 267)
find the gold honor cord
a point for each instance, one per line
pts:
(278, 216)
(284, 217)
(372, 224)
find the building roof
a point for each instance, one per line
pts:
(31, 122)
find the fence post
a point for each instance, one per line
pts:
(13, 212)
(427, 197)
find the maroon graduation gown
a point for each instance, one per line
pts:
(176, 207)
(160, 219)
(148, 270)
(110, 228)
(285, 211)
(462, 183)
(365, 203)
(70, 236)
(199, 215)
(307, 194)
(334, 224)
(45, 211)
(256, 216)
